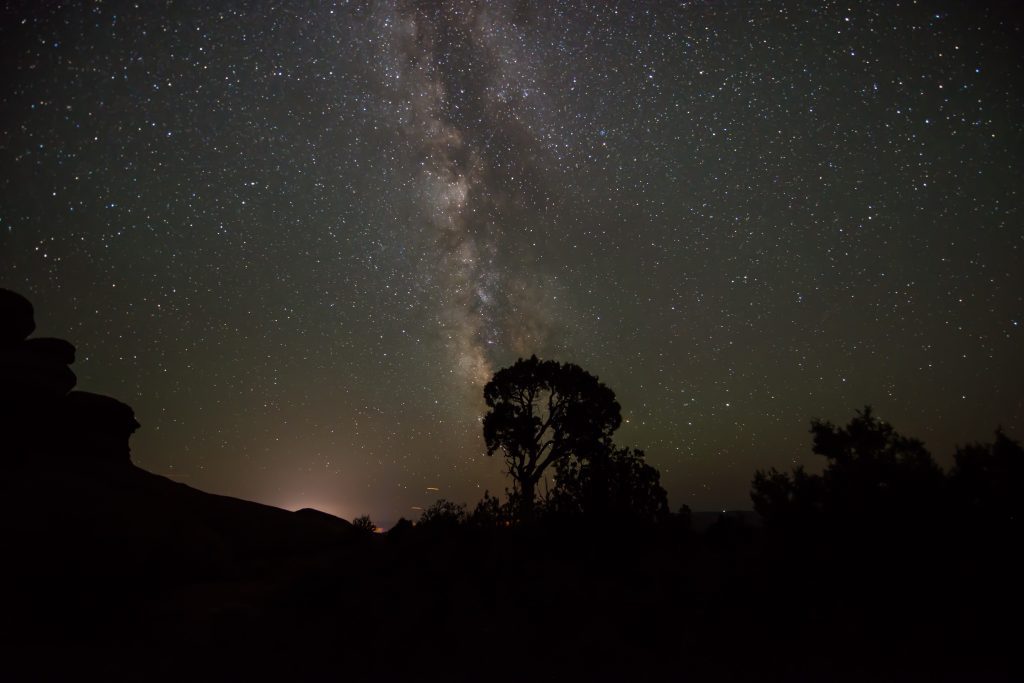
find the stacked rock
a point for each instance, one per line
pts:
(39, 412)
(99, 426)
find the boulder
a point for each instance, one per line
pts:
(17, 320)
(98, 426)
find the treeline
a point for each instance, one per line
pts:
(875, 482)
(881, 567)
(547, 418)
(878, 482)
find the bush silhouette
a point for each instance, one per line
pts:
(987, 481)
(616, 485)
(365, 524)
(874, 478)
(490, 513)
(443, 514)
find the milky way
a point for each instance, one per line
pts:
(448, 68)
(299, 238)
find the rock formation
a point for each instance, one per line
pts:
(40, 415)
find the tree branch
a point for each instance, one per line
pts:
(552, 456)
(553, 409)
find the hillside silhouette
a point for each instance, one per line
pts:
(66, 463)
(81, 524)
(880, 567)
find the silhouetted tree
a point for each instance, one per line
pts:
(617, 485)
(874, 473)
(541, 412)
(783, 499)
(874, 477)
(489, 513)
(401, 530)
(987, 480)
(443, 514)
(364, 523)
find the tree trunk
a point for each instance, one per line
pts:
(599, 489)
(527, 491)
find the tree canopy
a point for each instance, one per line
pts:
(987, 480)
(542, 412)
(874, 475)
(618, 485)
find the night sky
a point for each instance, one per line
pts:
(298, 237)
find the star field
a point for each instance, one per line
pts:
(298, 238)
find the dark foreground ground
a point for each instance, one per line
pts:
(113, 573)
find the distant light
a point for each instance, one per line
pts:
(433, 488)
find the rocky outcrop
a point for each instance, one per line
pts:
(40, 415)
(98, 426)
